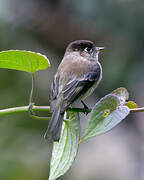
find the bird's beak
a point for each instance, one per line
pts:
(98, 49)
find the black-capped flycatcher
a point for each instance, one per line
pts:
(77, 76)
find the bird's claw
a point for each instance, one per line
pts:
(85, 108)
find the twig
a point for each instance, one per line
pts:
(47, 108)
(141, 109)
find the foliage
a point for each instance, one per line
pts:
(23, 60)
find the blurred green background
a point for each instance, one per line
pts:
(47, 26)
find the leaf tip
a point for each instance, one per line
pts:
(122, 93)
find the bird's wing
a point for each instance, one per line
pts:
(54, 92)
(76, 88)
(54, 88)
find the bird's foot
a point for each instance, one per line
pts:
(86, 109)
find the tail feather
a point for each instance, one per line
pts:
(55, 125)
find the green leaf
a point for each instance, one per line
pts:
(131, 105)
(64, 151)
(106, 114)
(23, 60)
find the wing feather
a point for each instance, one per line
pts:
(54, 88)
(78, 87)
(74, 88)
(54, 92)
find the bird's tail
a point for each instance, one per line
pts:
(54, 128)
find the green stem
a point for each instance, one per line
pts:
(83, 110)
(32, 90)
(23, 109)
(141, 109)
(47, 108)
(36, 108)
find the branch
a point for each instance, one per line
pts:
(47, 108)
(23, 109)
(37, 108)
(83, 110)
(137, 109)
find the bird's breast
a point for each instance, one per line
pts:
(74, 67)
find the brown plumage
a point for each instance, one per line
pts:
(77, 77)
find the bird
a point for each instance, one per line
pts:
(78, 75)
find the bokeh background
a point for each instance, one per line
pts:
(47, 26)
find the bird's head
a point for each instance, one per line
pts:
(84, 48)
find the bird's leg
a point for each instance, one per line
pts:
(85, 107)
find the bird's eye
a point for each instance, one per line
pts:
(88, 49)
